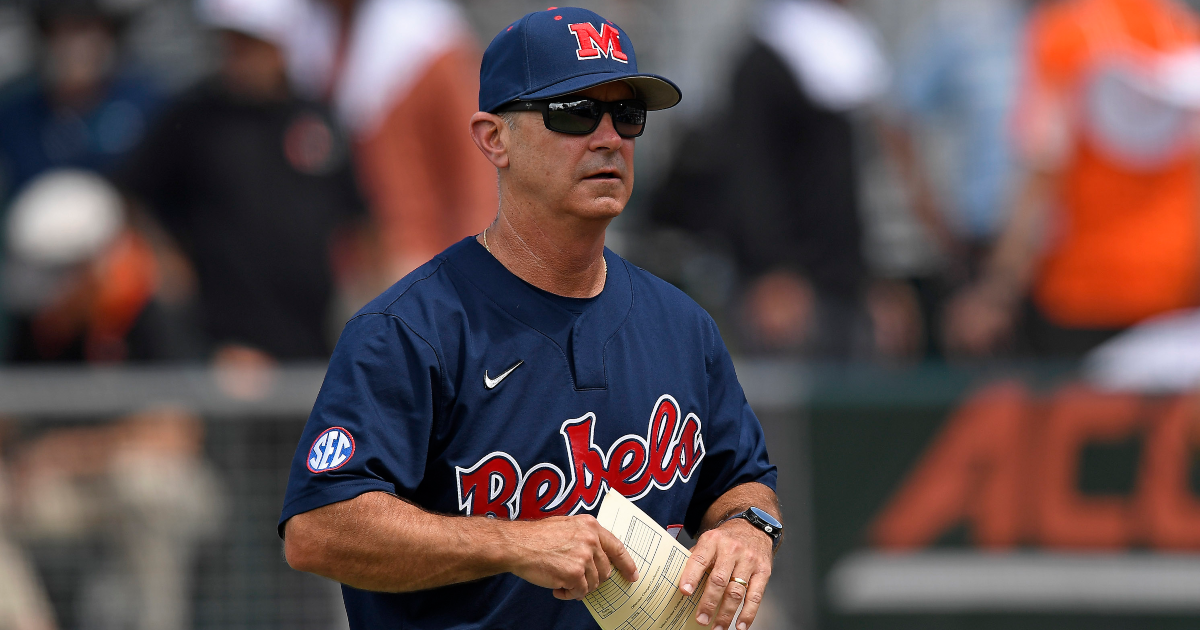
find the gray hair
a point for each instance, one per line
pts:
(510, 119)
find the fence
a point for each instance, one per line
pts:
(1007, 497)
(238, 576)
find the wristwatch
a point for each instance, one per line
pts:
(763, 521)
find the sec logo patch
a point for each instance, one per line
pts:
(331, 450)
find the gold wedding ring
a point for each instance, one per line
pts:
(740, 581)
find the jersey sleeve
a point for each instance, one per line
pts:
(735, 447)
(369, 429)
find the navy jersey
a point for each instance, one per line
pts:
(467, 391)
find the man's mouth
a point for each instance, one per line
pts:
(604, 175)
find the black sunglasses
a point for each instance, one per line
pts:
(581, 116)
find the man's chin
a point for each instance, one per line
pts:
(600, 208)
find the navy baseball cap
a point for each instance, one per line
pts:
(562, 50)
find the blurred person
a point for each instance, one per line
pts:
(23, 601)
(84, 285)
(1105, 230)
(780, 184)
(80, 110)
(139, 485)
(81, 284)
(254, 184)
(962, 72)
(959, 73)
(402, 75)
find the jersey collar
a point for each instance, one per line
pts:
(581, 338)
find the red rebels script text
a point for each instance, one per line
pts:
(633, 465)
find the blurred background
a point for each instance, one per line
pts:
(954, 246)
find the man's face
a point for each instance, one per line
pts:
(79, 54)
(253, 68)
(589, 176)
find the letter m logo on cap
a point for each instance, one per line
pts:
(593, 45)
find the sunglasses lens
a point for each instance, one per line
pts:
(583, 116)
(574, 116)
(629, 119)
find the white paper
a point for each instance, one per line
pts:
(654, 602)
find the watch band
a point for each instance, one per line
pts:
(773, 530)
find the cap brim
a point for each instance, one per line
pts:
(656, 91)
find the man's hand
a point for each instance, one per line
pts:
(977, 320)
(570, 554)
(736, 549)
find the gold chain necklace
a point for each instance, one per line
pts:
(489, 250)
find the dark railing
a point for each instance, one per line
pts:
(892, 483)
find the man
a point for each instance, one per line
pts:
(1104, 231)
(955, 89)
(253, 183)
(961, 70)
(401, 76)
(82, 109)
(777, 182)
(82, 285)
(455, 392)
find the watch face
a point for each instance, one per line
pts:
(767, 518)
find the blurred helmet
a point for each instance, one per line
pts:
(269, 20)
(64, 217)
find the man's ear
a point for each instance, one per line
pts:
(492, 135)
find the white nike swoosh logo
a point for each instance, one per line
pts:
(491, 383)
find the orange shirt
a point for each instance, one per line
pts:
(428, 183)
(1124, 239)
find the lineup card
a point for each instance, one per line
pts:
(654, 602)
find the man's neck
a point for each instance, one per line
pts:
(565, 259)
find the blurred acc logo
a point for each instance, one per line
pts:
(331, 450)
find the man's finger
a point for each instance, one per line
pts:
(562, 593)
(732, 597)
(718, 579)
(697, 564)
(603, 567)
(580, 587)
(620, 558)
(593, 577)
(758, 583)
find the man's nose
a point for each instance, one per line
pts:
(605, 137)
